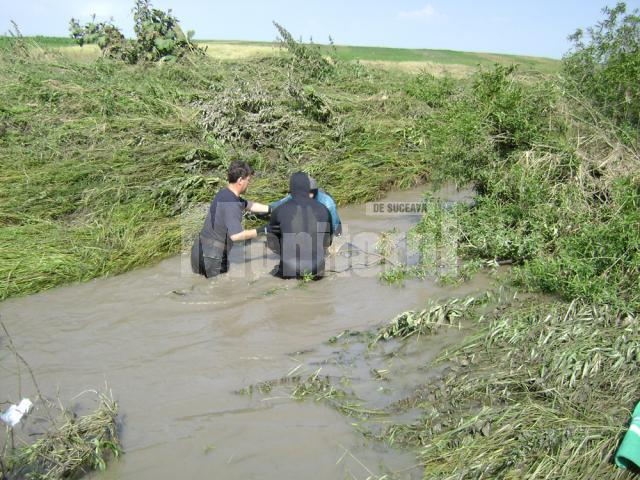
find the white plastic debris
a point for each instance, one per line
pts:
(14, 413)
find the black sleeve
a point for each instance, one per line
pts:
(273, 241)
(328, 236)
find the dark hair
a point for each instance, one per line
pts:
(238, 169)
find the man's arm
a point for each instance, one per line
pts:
(256, 232)
(232, 215)
(233, 220)
(277, 203)
(244, 235)
(255, 207)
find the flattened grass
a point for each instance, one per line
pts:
(101, 160)
(542, 391)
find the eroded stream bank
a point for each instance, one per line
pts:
(174, 348)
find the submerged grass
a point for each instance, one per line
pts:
(425, 322)
(73, 446)
(542, 391)
(319, 388)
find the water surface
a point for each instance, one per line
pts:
(174, 347)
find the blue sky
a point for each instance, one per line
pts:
(517, 26)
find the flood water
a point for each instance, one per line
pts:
(174, 347)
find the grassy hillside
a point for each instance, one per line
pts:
(103, 161)
(42, 40)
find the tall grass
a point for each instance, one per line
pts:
(101, 159)
(559, 191)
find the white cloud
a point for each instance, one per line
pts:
(426, 13)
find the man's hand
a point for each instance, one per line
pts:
(265, 229)
(255, 207)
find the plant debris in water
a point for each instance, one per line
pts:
(74, 446)
(427, 321)
(321, 389)
(542, 390)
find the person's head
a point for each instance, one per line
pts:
(313, 187)
(299, 185)
(239, 175)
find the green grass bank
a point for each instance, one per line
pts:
(102, 161)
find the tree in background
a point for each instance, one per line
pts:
(604, 63)
(104, 34)
(158, 36)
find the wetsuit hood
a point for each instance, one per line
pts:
(299, 185)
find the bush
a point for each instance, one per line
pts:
(604, 65)
(497, 116)
(307, 59)
(103, 34)
(431, 90)
(517, 114)
(557, 197)
(158, 36)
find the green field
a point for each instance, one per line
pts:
(42, 40)
(230, 49)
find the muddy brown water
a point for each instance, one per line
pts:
(174, 347)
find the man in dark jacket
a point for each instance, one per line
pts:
(223, 225)
(305, 231)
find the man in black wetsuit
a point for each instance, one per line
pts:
(223, 225)
(305, 231)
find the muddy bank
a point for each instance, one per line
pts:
(175, 347)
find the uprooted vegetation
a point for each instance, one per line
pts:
(285, 117)
(158, 36)
(545, 391)
(71, 446)
(309, 60)
(524, 399)
(51, 441)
